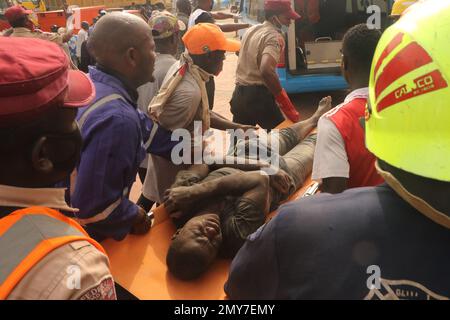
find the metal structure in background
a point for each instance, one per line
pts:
(313, 65)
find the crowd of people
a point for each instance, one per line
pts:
(79, 123)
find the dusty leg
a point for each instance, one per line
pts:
(304, 127)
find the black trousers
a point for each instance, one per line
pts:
(255, 105)
(211, 90)
(143, 202)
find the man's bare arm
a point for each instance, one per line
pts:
(66, 37)
(221, 123)
(268, 72)
(231, 27)
(195, 174)
(254, 184)
(243, 164)
(198, 172)
(222, 15)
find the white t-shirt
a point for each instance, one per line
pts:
(194, 15)
(81, 37)
(330, 156)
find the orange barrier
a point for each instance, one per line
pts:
(138, 263)
(49, 18)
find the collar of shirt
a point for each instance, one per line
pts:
(22, 30)
(110, 78)
(361, 93)
(270, 25)
(29, 197)
(419, 204)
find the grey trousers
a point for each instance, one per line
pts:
(293, 156)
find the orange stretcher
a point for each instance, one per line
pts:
(138, 263)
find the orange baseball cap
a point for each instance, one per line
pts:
(206, 37)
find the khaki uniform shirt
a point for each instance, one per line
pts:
(147, 91)
(181, 110)
(27, 33)
(257, 41)
(55, 276)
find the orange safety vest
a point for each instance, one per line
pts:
(27, 236)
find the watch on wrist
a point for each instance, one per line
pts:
(150, 216)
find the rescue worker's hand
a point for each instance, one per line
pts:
(142, 223)
(287, 107)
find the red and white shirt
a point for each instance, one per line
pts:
(340, 148)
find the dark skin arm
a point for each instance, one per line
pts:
(221, 123)
(222, 16)
(334, 185)
(251, 185)
(195, 174)
(66, 37)
(69, 32)
(268, 72)
(231, 27)
(198, 172)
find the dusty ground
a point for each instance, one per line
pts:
(305, 103)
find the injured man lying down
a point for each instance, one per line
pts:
(216, 207)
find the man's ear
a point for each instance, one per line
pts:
(344, 63)
(132, 56)
(345, 68)
(39, 156)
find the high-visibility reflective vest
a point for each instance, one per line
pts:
(27, 236)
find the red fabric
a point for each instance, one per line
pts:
(287, 107)
(16, 12)
(282, 6)
(309, 9)
(4, 25)
(362, 162)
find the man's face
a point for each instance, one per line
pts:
(284, 19)
(146, 62)
(47, 150)
(64, 142)
(215, 65)
(202, 235)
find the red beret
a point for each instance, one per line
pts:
(35, 75)
(16, 12)
(281, 6)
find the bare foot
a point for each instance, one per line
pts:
(303, 128)
(324, 107)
